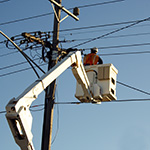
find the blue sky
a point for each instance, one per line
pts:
(109, 126)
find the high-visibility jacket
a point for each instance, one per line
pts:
(91, 59)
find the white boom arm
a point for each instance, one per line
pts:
(18, 113)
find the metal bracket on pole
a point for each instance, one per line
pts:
(57, 15)
(64, 9)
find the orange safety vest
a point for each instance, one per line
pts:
(91, 59)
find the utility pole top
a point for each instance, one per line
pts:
(65, 10)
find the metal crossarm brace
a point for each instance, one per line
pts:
(64, 9)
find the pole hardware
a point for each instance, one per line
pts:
(76, 11)
(73, 15)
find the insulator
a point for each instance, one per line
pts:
(31, 47)
(76, 11)
(12, 38)
(22, 41)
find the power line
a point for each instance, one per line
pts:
(2, 112)
(13, 72)
(114, 101)
(110, 29)
(16, 64)
(97, 4)
(106, 47)
(2, 55)
(99, 26)
(128, 35)
(87, 27)
(129, 86)
(129, 45)
(132, 100)
(14, 52)
(121, 46)
(117, 36)
(110, 54)
(57, 121)
(117, 30)
(77, 103)
(17, 71)
(127, 53)
(37, 109)
(28, 59)
(46, 14)
(27, 18)
(34, 106)
(133, 88)
(4, 1)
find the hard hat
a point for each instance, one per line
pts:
(94, 50)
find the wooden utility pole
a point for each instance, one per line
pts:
(50, 91)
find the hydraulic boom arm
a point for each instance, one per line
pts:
(18, 113)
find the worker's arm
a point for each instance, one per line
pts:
(100, 61)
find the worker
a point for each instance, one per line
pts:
(92, 58)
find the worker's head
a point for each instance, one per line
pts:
(94, 50)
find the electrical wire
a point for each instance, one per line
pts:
(88, 27)
(15, 52)
(118, 36)
(46, 14)
(109, 54)
(4, 1)
(114, 101)
(131, 87)
(14, 65)
(127, 53)
(128, 35)
(37, 109)
(97, 4)
(127, 100)
(17, 71)
(98, 26)
(29, 60)
(105, 25)
(2, 112)
(117, 31)
(57, 121)
(130, 100)
(106, 47)
(129, 45)
(100, 30)
(27, 18)
(34, 106)
(112, 32)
